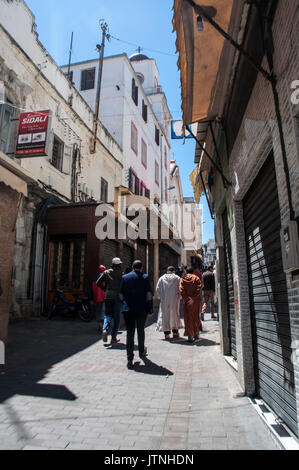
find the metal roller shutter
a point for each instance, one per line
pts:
(167, 257)
(229, 285)
(128, 257)
(268, 296)
(141, 255)
(110, 251)
(151, 265)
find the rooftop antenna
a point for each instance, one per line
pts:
(70, 58)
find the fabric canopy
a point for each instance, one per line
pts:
(199, 54)
(196, 184)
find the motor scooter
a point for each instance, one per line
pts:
(62, 306)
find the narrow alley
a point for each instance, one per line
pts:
(63, 389)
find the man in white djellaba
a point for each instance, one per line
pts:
(168, 290)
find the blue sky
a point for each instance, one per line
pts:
(144, 23)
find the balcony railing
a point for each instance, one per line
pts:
(153, 90)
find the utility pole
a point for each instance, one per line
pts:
(100, 48)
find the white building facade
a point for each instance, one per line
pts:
(134, 110)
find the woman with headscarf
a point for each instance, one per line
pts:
(190, 286)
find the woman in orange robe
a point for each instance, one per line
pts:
(190, 286)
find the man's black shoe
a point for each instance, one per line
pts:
(130, 365)
(143, 355)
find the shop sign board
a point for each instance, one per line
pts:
(33, 134)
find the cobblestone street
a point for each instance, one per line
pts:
(63, 389)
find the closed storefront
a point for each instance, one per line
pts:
(141, 254)
(151, 265)
(274, 374)
(229, 286)
(128, 257)
(167, 257)
(110, 251)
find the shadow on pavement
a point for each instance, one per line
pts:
(34, 347)
(119, 346)
(151, 368)
(200, 342)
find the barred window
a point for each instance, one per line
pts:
(88, 79)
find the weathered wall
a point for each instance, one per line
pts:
(9, 201)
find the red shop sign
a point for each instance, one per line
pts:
(33, 134)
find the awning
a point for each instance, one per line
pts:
(199, 54)
(196, 184)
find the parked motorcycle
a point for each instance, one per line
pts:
(62, 306)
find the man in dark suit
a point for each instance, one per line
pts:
(136, 293)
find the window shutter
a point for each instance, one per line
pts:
(137, 189)
(67, 159)
(157, 136)
(144, 111)
(130, 179)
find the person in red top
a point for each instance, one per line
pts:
(97, 296)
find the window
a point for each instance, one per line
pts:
(104, 190)
(137, 186)
(134, 182)
(88, 79)
(134, 92)
(7, 126)
(143, 190)
(144, 111)
(131, 180)
(165, 158)
(134, 145)
(143, 153)
(157, 136)
(57, 155)
(157, 173)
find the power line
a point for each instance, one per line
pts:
(145, 48)
(101, 115)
